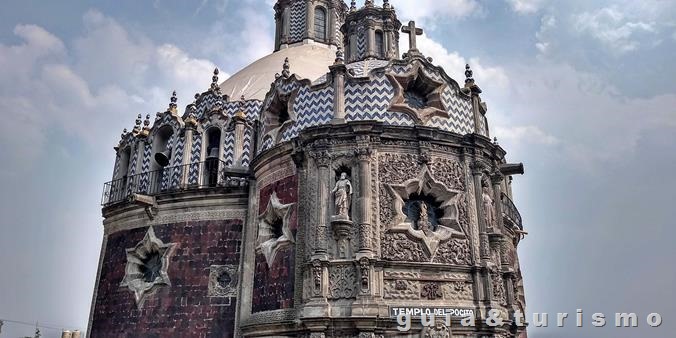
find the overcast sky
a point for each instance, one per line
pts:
(582, 92)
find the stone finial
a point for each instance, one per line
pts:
(495, 141)
(124, 133)
(353, 6)
(240, 111)
(137, 127)
(369, 3)
(158, 116)
(386, 4)
(146, 123)
(340, 56)
(286, 72)
(214, 79)
(173, 107)
(468, 74)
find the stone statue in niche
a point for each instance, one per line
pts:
(489, 207)
(424, 222)
(342, 193)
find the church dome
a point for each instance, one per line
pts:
(253, 82)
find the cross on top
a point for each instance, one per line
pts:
(412, 32)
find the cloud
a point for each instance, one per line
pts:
(526, 134)
(88, 93)
(454, 64)
(612, 28)
(526, 6)
(426, 10)
(547, 24)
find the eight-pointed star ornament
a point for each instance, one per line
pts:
(147, 265)
(273, 229)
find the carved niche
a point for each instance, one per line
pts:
(274, 233)
(147, 266)
(438, 330)
(426, 210)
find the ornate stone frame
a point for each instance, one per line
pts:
(449, 225)
(266, 243)
(218, 290)
(133, 278)
(435, 106)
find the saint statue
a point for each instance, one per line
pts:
(489, 207)
(342, 193)
(424, 223)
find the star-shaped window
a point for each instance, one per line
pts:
(273, 229)
(426, 209)
(147, 265)
(417, 95)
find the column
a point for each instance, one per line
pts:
(278, 29)
(286, 16)
(323, 159)
(240, 124)
(484, 246)
(309, 20)
(365, 231)
(338, 72)
(496, 180)
(187, 151)
(332, 25)
(371, 39)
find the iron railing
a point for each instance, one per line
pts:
(510, 212)
(207, 174)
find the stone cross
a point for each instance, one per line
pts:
(412, 32)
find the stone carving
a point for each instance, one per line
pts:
(458, 291)
(439, 330)
(450, 173)
(397, 168)
(342, 193)
(273, 229)
(431, 291)
(401, 289)
(397, 247)
(489, 207)
(317, 335)
(456, 251)
(317, 272)
(342, 282)
(425, 185)
(365, 236)
(147, 265)
(364, 272)
(223, 281)
(366, 335)
(498, 286)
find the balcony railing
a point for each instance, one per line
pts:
(208, 174)
(510, 213)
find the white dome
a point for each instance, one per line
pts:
(309, 61)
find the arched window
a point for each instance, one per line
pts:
(212, 161)
(380, 44)
(163, 154)
(320, 23)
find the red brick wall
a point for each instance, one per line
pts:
(182, 310)
(274, 287)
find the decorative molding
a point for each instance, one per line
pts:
(342, 281)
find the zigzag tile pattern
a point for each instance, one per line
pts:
(361, 42)
(459, 109)
(177, 161)
(144, 183)
(132, 168)
(297, 22)
(246, 151)
(195, 156)
(206, 102)
(229, 148)
(267, 143)
(312, 108)
(166, 172)
(362, 68)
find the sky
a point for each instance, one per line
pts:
(582, 92)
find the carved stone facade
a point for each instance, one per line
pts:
(315, 201)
